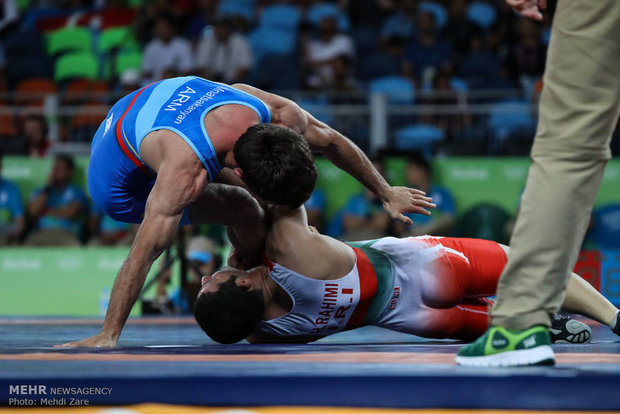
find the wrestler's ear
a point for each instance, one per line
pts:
(238, 172)
(243, 282)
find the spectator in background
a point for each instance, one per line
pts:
(342, 76)
(224, 55)
(363, 217)
(203, 18)
(526, 59)
(479, 68)
(11, 212)
(320, 53)
(401, 25)
(57, 209)
(368, 13)
(34, 136)
(458, 28)
(315, 209)
(427, 53)
(106, 231)
(419, 174)
(167, 53)
(201, 253)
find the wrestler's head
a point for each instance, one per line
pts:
(277, 164)
(229, 305)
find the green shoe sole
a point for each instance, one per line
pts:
(540, 355)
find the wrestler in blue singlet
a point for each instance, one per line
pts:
(118, 181)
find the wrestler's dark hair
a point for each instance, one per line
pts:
(230, 314)
(277, 164)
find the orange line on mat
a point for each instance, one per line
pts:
(347, 357)
(182, 409)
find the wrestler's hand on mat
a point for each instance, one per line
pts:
(528, 8)
(407, 200)
(101, 340)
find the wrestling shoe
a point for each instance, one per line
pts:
(568, 331)
(501, 347)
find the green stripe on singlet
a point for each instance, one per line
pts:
(384, 269)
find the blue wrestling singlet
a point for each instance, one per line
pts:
(118, 181)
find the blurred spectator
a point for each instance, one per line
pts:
(167, 53)
(363, 217)
(458, 28)
(130, 81)
(224, 55)
(427, 53)
(419, 174)
(204, 17)
(320, 53)
(527, 57)
(315, 209)
(57, 209)
(9, 13)
(34, 136)
(11, 212)
(105, 231)
(342, 76)
(401, 25)
(367, 13)
(203, 260)
(480, 68)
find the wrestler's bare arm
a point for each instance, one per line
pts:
(344, 154)
(179, 182)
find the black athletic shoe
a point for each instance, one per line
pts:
(616, 330)
(569, 331)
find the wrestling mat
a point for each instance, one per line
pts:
(168, 365)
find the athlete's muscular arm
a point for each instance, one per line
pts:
(344, 154)
(175, 188)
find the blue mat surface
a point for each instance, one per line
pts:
(175, 363)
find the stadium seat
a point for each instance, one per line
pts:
(481, 14)
(280, 17)
(605, 231)
(438, 10)
(77, 65)
(484, 221)
(509, 117)
(80, 91)
(241, 8)
(398, 89)
(366, 40)
(277, 73)
(69, 39)
(377, 65)
(7, 123)
(267, 42)
(117, 39)
(322, 10)
(128, 61)
(421, 137)
(459, 84)
(33, 91)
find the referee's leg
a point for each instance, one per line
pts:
(579, 108)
